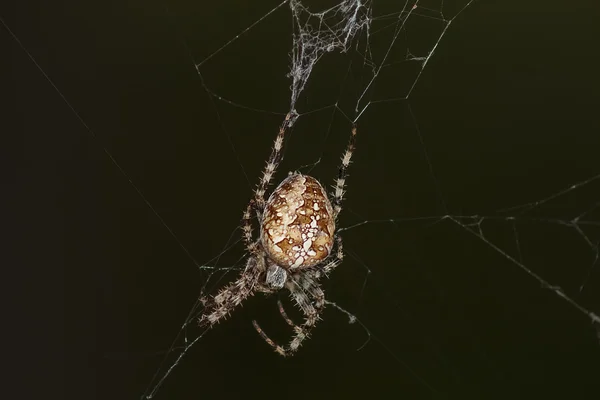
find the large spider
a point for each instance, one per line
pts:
(295, 248)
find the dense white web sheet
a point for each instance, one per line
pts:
(375, 43)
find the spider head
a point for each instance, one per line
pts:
(297, 227)
(276, 276)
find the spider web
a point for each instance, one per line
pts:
(382, 43)
(441, 261)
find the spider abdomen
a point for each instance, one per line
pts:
(297, 227)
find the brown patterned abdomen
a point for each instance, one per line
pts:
(297, 230)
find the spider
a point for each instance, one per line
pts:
(297, 245)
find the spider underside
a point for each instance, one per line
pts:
(297, 245)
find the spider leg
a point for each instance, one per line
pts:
(273, 162)
(231, 295)
(310, 311)
(270, 342)
(337, 259)
(257, 204)
(340, 182)
(251, 245)
(284, 314)
(307, 282)
(266, 338)
(278, 349)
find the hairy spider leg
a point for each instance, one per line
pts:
(340, 182)
(233, 294)
(273, 162)
(284, 314)
(303, 301)
(267, 339)
(302, 288)
(251, 245)
(336, 259)
(311, 317)
(309, 283)
(257, 204)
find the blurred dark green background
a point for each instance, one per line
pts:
(507, 110)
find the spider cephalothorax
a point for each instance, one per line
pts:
(297, 245)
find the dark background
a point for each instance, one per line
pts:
(506, 110)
